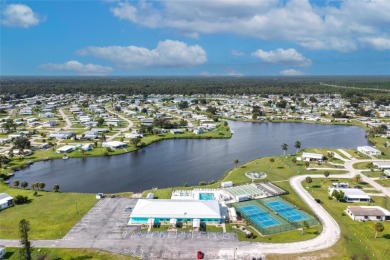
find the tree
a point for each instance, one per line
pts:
(236, 161)
(326, 174)
(135, 141)
(212, 110)
(26, 249)
(297, 145)
(16, 183)
(100, 121)
(22, 143)
(339, 195)
(3, 159)
(306, 225)
(294, 160)
(284, 148)
(307, 164)
(24, 184)
(308, 180)
(378, 227)
(182, 104)
(56, 187)
(41, 185)
(357, 178)
(271, 160)
(9, 125)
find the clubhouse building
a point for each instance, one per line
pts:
(166, 211)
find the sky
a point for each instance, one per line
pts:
(199, 38)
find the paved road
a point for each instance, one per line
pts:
(121, 130)
(65, 117)
(352, 172)
(156, 247)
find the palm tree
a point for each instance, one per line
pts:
(297, 145)
(236, 161)
(284, 148)
(56, 187)
(378, 227)
(16, 183)
(271, 160)
(24, 184)
(357, 178)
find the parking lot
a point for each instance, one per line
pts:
(106, 220)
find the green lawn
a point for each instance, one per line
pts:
(357, 239)
(384, 182)
(285, 237)
(51, 215)
(361, 165)
(67, 254)
(380, 145)
(373, 174)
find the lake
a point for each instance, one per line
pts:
(175, 162)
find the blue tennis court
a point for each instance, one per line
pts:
(287, 211)
(259, 216)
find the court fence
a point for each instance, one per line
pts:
(287, 226)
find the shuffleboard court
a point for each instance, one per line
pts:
(260, 217)
(286, 211)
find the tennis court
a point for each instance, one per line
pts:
(260, 217)
(249, 189)
(286, 210)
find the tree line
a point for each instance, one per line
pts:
(19, 87)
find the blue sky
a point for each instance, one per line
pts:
(219, 37)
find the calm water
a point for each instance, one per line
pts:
(174, 162)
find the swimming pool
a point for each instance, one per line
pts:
(287, 211)
(206, 196)
(260, 217)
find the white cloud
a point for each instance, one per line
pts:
(378, 43)
(19, 15)
(291, 72)
(309, 24)
(77, 67)
(237, 53)
(168, 53)
(281, 56)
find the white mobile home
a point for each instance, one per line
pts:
(226, 184)
(5, 201)
(352, 195)
(365, 213)
(114, 144)
(66, 149)
(368, 150)
(312, 157)
(382, 165)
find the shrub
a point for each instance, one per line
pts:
(20, 199)
(202, 183)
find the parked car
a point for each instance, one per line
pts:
(199, 255)
(357, 187)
